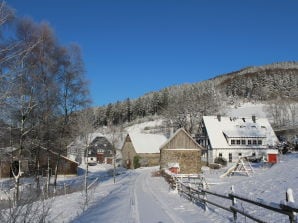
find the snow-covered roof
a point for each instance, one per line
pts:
(147, 143)
(57, 154)
(221, 128)
(245, 132)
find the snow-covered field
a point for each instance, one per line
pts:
(138, 197)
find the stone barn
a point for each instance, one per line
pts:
(183, 151)
(141, 150)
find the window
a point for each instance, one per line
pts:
(220, 154)
(259, 142)
(238, 141)
(253, 154)
(249, 142)
(254, 142)
(230, 157)
(232, 142)
(100, 150)
(243, 142)
(239, 154)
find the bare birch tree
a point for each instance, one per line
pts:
(73, 95)
(115, 136)
(84, 129)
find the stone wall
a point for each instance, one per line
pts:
(189, 160)
(149, 159)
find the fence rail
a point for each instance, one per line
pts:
(287, 207)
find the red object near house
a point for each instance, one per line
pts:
(174, 170)
(272, 158)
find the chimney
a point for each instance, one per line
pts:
(219, 117)
(253, 118)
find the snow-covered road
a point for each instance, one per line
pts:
(148, 202)
(141, 198)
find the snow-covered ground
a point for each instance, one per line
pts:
(139, 197)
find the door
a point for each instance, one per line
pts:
(100, 157)
(272, 158)
(128, 164)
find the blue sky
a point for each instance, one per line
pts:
(132, 47)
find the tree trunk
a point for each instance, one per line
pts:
(114, 170)
(56, 172)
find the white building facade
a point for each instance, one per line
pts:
(232, 138)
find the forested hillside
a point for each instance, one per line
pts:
(184, 105)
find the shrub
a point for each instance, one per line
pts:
(215, 166)
(136, 162)
(221, 160)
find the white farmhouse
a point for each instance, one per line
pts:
(232, 138)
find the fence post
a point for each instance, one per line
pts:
(234, 201)
(189, 192)
(290, 198)
(204, 197)
(177, 185)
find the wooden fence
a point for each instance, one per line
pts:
(29, 193)
(203, 196)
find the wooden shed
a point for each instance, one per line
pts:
(9, 158)
(182, 149)
(66, 166)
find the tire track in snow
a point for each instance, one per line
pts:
(142, 182)
(134, 212)
(162, 204)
